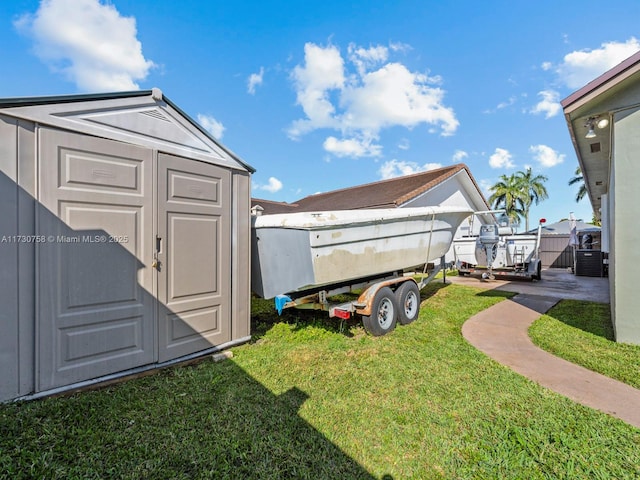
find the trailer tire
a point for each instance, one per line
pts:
(538, 275)
(408, 298)
(384, 311)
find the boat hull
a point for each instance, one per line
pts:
(301, 251)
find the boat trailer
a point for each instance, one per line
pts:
(383, 300)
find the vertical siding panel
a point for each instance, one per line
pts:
(8, 259)
(27, 202)
(241, 252)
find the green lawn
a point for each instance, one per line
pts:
(311, 398)
(582, 333)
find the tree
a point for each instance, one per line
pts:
(508, 194)
(579, 179)
(533, 190)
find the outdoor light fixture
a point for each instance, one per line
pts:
(591, 124)
(591, 133)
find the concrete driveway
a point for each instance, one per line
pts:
(556, 283)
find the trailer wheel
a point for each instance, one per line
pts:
(383, 313)
(408, 298)
(538, 275)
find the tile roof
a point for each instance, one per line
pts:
(382, 194)
(271, 207)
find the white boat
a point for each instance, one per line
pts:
(510, 254)
(509, 251)
(301, 251)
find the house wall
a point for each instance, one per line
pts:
(452, 192)
(624, 209)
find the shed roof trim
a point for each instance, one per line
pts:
(142, 117)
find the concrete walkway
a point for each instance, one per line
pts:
(501, 332)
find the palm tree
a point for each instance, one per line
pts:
(533, 190)
(579, 179)
(507, 194)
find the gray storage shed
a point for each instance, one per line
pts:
(124, 240)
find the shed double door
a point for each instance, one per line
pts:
(132, 259)
(193, 248)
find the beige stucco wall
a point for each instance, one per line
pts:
(624, 211)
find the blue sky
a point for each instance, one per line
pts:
(324, 95)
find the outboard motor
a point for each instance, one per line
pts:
(486, 246)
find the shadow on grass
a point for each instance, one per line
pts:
(207, 420)
(590, 317)
(434, 287)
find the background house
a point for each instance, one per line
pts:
(447, 186)
(125, 240)
(603, 119)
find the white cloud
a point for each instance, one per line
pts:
(365, 93)
(404, 144)
(485, 186)
(549, 105)
(89, 42)
(546, 156)
(459, 155)
(323, 72)
(255, 79)
(400, 47)
(273, 186)
(367, 58)
(398, 168)
(502, 105)
(580, 67)
(352, 147)
(512, 99)
(431, 166)
(501, 158)
(211, 125)
(394, 96)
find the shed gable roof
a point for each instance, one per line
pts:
(145, 118)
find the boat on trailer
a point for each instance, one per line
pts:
(302, 259)
(497, 250)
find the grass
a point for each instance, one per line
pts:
(313, 398)
(582, 333)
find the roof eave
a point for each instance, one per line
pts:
(605, 81)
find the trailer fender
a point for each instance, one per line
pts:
(365, 300)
